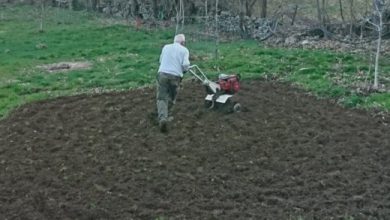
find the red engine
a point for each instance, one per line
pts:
(229, 84)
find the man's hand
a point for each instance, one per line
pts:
(206, 83)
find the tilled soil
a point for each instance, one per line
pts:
(287, 155)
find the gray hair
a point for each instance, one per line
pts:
(180, 38)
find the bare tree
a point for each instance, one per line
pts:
(351, 10)
(322, 15)
(249, 7)
(378, 24)
(179, 16)
(352, 14)
(263, 13)
(42, 15)
(242, 13)
(341, 10)
(319, 13)
(95, 4)
(294, 14)
(155, 4)
(216, 35)
(205, 9)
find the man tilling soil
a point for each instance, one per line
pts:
(174, 61)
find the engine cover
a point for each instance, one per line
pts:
(229, 84)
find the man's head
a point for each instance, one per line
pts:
(180, 38)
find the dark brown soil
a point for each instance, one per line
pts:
(286, 156)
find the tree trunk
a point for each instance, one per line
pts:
(95, 4)
(42, 15)
(378, 51)
(155, 4)
(352, 17)
(319, 13)
(249, 7)
(325, 16)
(243, 30)
(182, 13)
(321, 16)
(294, 15)
(352, 11)
(263, 9)
(135, 8)
(216, 34)
(341, 10)
(378, 10)
(205, 9)
(180, 17)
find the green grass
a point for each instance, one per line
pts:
(123, 58)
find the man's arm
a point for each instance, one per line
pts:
(162, 53)
(186, 61)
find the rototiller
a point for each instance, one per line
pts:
(220, 93)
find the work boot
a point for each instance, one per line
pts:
(163, 125)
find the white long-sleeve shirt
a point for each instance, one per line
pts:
(174, 59)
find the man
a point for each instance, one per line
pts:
(174, 61)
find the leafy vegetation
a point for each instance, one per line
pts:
(124, 58)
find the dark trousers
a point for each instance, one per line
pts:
(167, 86)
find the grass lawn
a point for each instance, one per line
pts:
(123, 58)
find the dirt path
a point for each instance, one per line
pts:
(287, 156)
